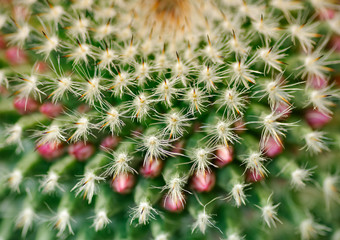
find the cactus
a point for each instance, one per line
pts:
(165, 119)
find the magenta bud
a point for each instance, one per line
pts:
(41, 67)
(21, 12)
(51, 110)
(335, 43)
(337, 80)
(197, 126)
(109, 142)
(272, 148)
(283, 108)
(317, 119)
(326, 14)
(123, 183)
(253, 177)
(2, 42)
(172, 206)
(152, 168)
(15, 56)
(3, 91)
(203, 182)
(317, 83)
(25, 105)
(83, 108)
(50, 151)
(240, 126)
(81, 151)
(178, 147)
(224, 156)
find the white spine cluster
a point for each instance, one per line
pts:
(203, 221)
(120, 164)
(29, 85)
(269, 213)
(21, 35)
(223, 133)
(242, 73)
(81, 53)
(278, 92)
(315, 142)
(101, 220)
(166, 91)
(25, 220)
(83, 128)
(233, 100)
(52, 134)
(254, 163)
(62, 222)
(14, 180)
(299, 177)
(60, 86)
(330, 189)
(201, 159)
(49, 183)
(304, 32)
(112, 119)
(14, 134)
(197, 100)
(273, 128)
(87, 185)
(176, 123)
(309, 229)
(155, 147)
(238, 194)
(323, 99)
(91, 91)
(175, 187)
(143, 212)
(51, 43)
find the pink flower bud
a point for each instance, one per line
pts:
(81, 151)
(152, 168)
(83, 108)
(203, 182)
(171, 206)
(224, 156)
(123, 183)
(335, 43)
(283, 107)
(253, 177)
(239, 126)
(272, 148)
(50, 151)
(317, 119)
(109, 142)
(138, 130)
(3, 91)
(2, 42)
(317, 83)
(51, 110)
(337, 80)
(197, 126)
(15, 56)
(25, 105)
(326, 14)
(178, 147)
(41, 67)
(21, 13)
